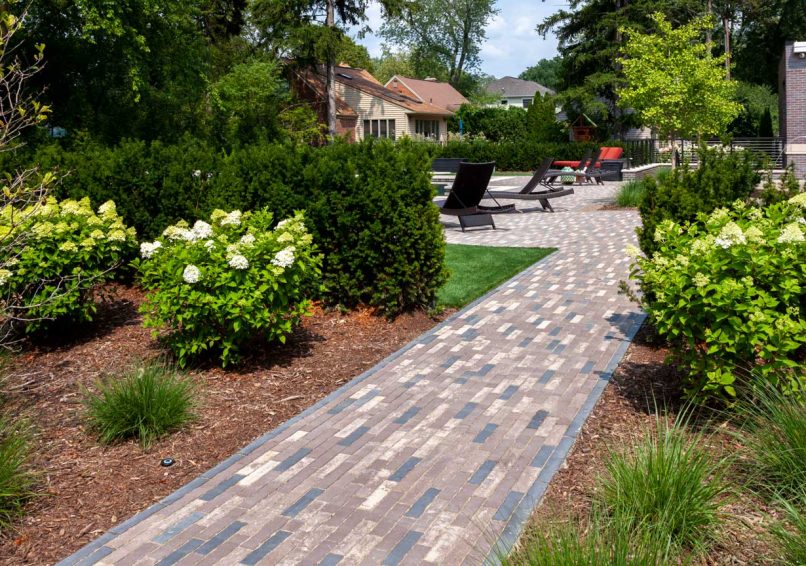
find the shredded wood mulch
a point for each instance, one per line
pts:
(642, 389)
(86, 488)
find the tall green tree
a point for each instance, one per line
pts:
(446, 34)
(313, 31)
(541, 121)
(759, 41)
(390, 64)
(128, 68)
(673, 81)
(590, 40)
(547, 72)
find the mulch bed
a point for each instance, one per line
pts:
(641, 386)
(85, 488)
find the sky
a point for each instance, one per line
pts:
(512, 43)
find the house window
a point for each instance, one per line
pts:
(527, 102)
(379, 129)
(504, 102)
(427, 128)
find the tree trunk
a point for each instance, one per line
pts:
(726, 26)
(330, 21)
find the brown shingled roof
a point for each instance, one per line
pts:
(434, 92)
(360, 79)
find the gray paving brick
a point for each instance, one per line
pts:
(384, 455)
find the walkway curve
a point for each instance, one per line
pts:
(440, 452)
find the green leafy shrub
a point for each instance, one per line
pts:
(774, 437)
(57, 257)
(727, 292)
(217, 287)
(494, 123)
(369, 204)
(145, 403)
(667, 486)
(372, 216)
(787, 187)
(719, 179)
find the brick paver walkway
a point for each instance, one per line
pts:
(441, 451)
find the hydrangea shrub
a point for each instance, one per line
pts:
(54, 260)
(216, 287)
(727, 291)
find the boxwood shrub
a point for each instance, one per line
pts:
(369, 205)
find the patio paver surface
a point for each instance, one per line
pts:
(442, 450)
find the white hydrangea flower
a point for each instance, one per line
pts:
(799, 200)
(209, 245)
(632, 251)
(11, 262)
(682, 260)
(754, 214)
(753, 234)
(177, 233)
(238, 262)
(98, 235)
(147, 249)
(117, 236)
(202, 230)
(88, 243)
(701, 280)
(232, 219)
(791, 234)
(68, 247)
(285, 237)
(801, 220)
(232, 249)
(191, 274)
(5, 274)
(284, 258)
(107, 209)
(719, 214)
(282, 224)
(730, 234)
(247, 240)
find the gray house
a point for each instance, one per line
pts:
(792, 100)
(514, 92)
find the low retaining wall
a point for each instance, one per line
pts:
(651, 169)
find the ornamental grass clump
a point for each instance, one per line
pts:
(217, 287)
(727, 292)
(16, 480)
(774, 438)
(56, 257)
(790, 534)
(146, 403)
(668, 487)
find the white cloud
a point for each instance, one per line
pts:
(512, 43)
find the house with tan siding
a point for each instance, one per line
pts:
(366, 108)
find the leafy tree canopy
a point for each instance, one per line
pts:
(674, 83)
(547, 72)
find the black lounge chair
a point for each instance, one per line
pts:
(468, 190)
(591, 171)
(542, 179)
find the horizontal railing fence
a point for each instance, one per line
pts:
(641, 152)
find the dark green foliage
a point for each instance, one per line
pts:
(495, 124)
(784, 189)
(513, 156)
(541, 121)
(759, 111)
(547, 72)
(146, 403)
(16, 481)
(369, 205)
(372, 217)
(765, 129)
(719, 180)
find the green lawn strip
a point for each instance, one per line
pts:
(474, 270)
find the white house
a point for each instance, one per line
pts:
(515, 93)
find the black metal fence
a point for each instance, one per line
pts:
(641, 152)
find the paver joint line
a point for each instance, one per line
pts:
(466, 424)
